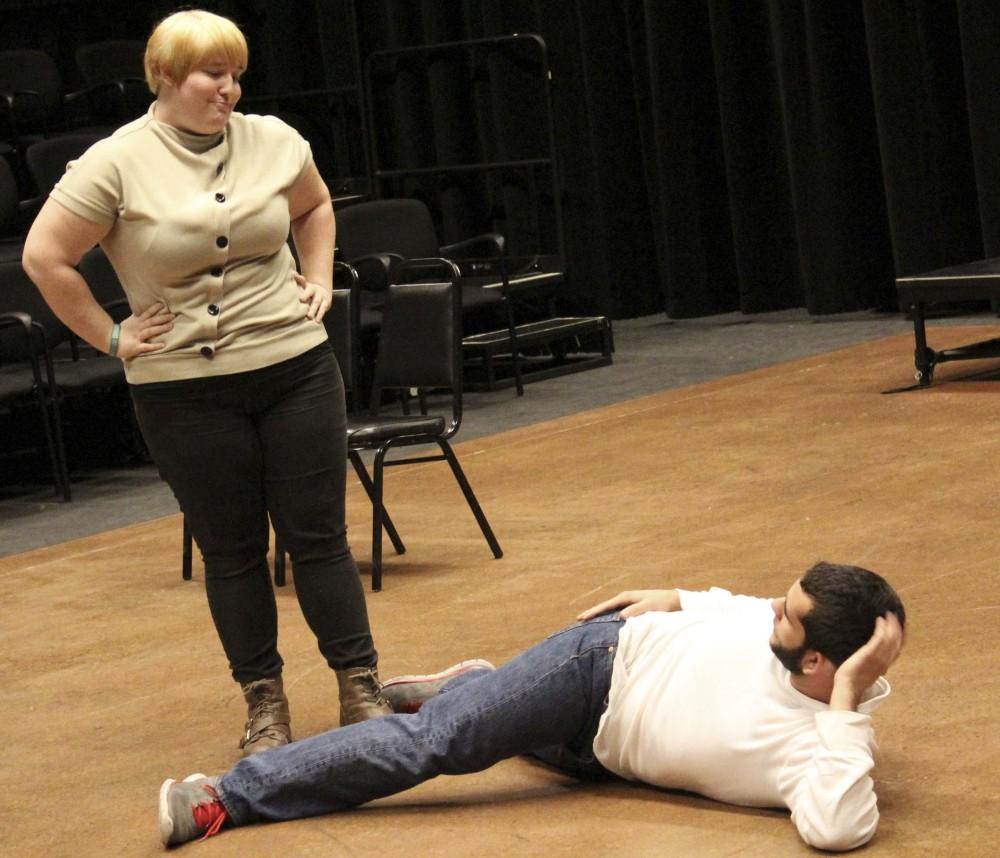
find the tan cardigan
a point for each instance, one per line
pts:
(201, 225)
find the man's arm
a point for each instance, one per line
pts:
(834, 806)
(635, 602)
(867, 664)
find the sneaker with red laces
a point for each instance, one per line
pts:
(190, 808)
(408, 693)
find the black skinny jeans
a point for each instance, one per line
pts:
(235, 448)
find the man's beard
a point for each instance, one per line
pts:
(790, 657)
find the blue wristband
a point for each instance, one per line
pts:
(116, 332)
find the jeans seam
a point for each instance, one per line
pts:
(458, 722)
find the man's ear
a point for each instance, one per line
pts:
(814, 663)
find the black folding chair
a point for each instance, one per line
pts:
(27, 371)
(26, 378)
(420, 347)
(376, 236)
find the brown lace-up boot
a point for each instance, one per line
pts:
(360, 695)
(268, 721)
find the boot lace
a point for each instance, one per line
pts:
(267, 711)
(270, 730)
(371, 687)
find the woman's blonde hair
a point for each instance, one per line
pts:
(182, 40)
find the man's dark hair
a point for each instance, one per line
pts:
(846, 602)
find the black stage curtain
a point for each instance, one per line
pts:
(751, 155)
(714, 155)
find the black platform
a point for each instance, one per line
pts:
(973, 281)
(531, 349)
(570, 344)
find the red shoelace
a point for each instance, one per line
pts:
(210, 815)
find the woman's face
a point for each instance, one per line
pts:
(203, 101)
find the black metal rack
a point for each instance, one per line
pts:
(332, 120)
(334, 116)
(387, 62)
(546, 344)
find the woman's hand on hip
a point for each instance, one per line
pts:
(315, 296)
(139, 332)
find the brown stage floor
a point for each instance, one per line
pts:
(113, 678)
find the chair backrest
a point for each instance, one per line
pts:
(97, 270)
(343, 326)
(420, 345)
(18, 293)
(29, 71)
(115, 77)
(9, 198)
(403, 226)
(47, 159)
(111, 60)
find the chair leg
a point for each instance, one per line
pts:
(377, 515)
(279, 562)
(48, 408)
(515, 352)
(51, 413)
(518, 380)
(366, 483)
(61, 450)
(186, 552)
(490, 370)
(470, 497)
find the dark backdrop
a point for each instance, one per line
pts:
(713, 155)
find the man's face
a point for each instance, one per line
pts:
(788, 640)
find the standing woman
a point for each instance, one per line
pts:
(235, 386)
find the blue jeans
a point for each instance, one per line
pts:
(547, 701)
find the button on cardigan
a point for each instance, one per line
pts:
(200, 222)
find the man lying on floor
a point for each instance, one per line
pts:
(749, 701)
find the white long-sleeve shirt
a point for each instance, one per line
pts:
(699, 702)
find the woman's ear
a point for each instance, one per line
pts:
(164, 76)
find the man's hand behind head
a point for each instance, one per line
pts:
(868, 663)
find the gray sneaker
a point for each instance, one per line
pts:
(190, 808)
(409, 693)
